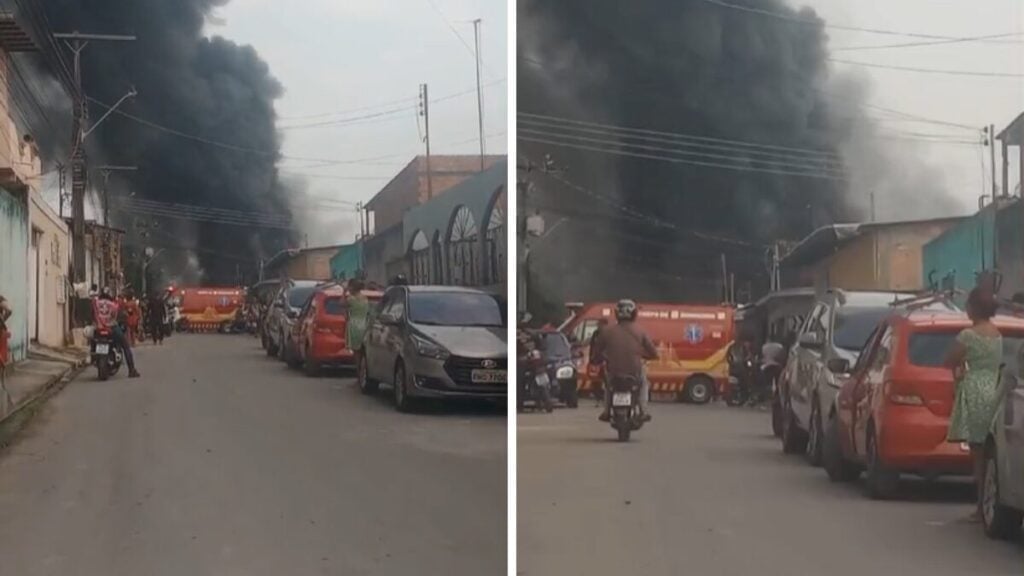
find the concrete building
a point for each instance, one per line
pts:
(384, 250)
(302, 264)
(876, 256)
(48, 264)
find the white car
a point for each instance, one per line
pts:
(1002, 507)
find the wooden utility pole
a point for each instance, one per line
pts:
(61, 188)
(425, 112)
(77, 42)
(479, 92)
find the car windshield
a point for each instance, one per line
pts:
(929, 349)
(455, 309)
(297, 296)
(854, 325)
(556, 346)
(335, 306)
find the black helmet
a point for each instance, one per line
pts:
(626, 310)
(399, 280)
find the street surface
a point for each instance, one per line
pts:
(221, 461)
(706, 490)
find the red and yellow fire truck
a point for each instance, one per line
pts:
(208, 309)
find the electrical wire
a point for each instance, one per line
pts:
(823, 24)
(927, 43)
(929, 70)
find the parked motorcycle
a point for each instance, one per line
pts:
(741, 384)
(626, 416)
(534, 382)
(106, 355)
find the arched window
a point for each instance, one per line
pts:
(462, 249)
(419, 259)
(495, 241)
(438, 258)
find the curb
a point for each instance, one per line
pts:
(17, 419)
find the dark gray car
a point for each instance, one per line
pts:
(437, 342)
(283, 311)
(1002, 509)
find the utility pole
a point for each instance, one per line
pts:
(425, 112)
(77, 42)
(479, 92)
(992, 159)
(61, 190)
(106, 171)
(874, 216)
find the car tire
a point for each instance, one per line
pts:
(403, 403)
(838, 468)
(699, 390)
(367, 385)
(291, 357)
(794, 440)
(1000, 522)
(571, 395)
(879, 482)
(271, 347)
(815, 435)
(309, 366)
(776, 418)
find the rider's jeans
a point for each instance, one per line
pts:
(645, 392)
(122, 341)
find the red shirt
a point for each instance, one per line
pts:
(104, 313)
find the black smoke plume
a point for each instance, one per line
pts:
(690, 67)
(208, 87)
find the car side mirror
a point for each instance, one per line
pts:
(839, 366)
(810, 340)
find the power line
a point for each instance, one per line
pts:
(677, 160)
(823, 24)
(385, 115)
(927, 43)
(929, 70)
(815, 168)
(644, 131)
(687, 141)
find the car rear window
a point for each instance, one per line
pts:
(928, 349)
(297, 296)
(335, 306)
(854, 325)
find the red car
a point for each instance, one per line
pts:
(892, 411)
(319, 332)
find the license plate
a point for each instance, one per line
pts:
(103, 348)
(542, 380)
(489, 376)
(622, 399)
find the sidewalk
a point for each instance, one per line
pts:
(32, 381)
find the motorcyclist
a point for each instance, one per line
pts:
(741, 359)
(623, 348)
(107, 314)
(595, 362)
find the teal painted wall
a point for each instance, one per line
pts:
(14, 269)
(347, 262)
(965, 249)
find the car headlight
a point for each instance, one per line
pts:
(565, 372)
(429, 349)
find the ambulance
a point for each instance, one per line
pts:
(208, 308)
(692, 344)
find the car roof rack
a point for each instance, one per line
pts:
(926, 298)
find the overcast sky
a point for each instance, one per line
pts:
(359, 57)
(972, 101)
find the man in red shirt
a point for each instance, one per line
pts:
(106, 314)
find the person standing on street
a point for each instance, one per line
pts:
(595, 364)
(975, 358)
(156, 318)
(358, 318)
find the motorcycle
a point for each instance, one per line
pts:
(626, 416)
(106, 355)
(535, 384)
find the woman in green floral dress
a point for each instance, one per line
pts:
(358, 318)
(975, 359)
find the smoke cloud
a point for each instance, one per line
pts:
(705, 70)
(212, 88)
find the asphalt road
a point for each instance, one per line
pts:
(220, 461)
(706, 490)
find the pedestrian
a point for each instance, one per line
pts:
(157, 318)
(358, 307)
(975, 358)
(5, 314)
(595, 364)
